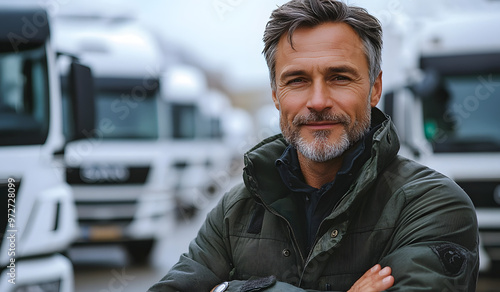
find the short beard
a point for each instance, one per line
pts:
(320, 149)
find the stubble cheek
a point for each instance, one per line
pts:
(289, 108)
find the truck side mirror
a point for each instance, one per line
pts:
(81, 93)
(431, 87)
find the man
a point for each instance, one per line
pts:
(330, 202)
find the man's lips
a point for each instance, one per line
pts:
(323, 125)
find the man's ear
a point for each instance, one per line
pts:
(376, 90)
(275, 100)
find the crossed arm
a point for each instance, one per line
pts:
(430, 259)
(374, 280)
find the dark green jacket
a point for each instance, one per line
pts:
(396, 213)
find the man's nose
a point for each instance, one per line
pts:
(319, 97)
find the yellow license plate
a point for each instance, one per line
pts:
(103, 233)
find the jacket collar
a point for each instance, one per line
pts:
(263, 180)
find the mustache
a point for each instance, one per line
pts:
(321, 117)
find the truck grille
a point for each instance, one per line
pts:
(106, 212)
(106, 175)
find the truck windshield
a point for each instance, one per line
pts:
(24, 96)
(465, 116)
(128, 110)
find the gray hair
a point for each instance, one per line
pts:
(309, 13)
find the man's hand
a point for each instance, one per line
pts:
(374, 280)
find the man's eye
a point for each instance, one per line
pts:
(340, 78)
(295, 80)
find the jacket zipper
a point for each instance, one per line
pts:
(292, 235)
(316, 239)
(290, 230)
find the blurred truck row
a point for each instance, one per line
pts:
(112, 151)
(158, 138)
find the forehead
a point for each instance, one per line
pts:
(331, 41)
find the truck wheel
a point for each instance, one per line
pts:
(139, 251)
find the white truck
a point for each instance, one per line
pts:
(37, 212)
(201, 136)
(151, 157)
(448, 112)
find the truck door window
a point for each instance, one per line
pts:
(24, 111)
(128, 110)
(129, 119)
(183, 121)
(468, 120)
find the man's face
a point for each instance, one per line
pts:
(323, 90)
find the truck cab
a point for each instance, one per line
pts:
(198, 119)
(119, 175)
(37, 211)
(447, 114)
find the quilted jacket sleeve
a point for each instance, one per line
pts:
(435, 245)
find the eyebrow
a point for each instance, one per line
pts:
(330, 70)
(343, 69)
(292, 73)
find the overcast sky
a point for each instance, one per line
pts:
(226, 35)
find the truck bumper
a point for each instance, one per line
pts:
(53, 273)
